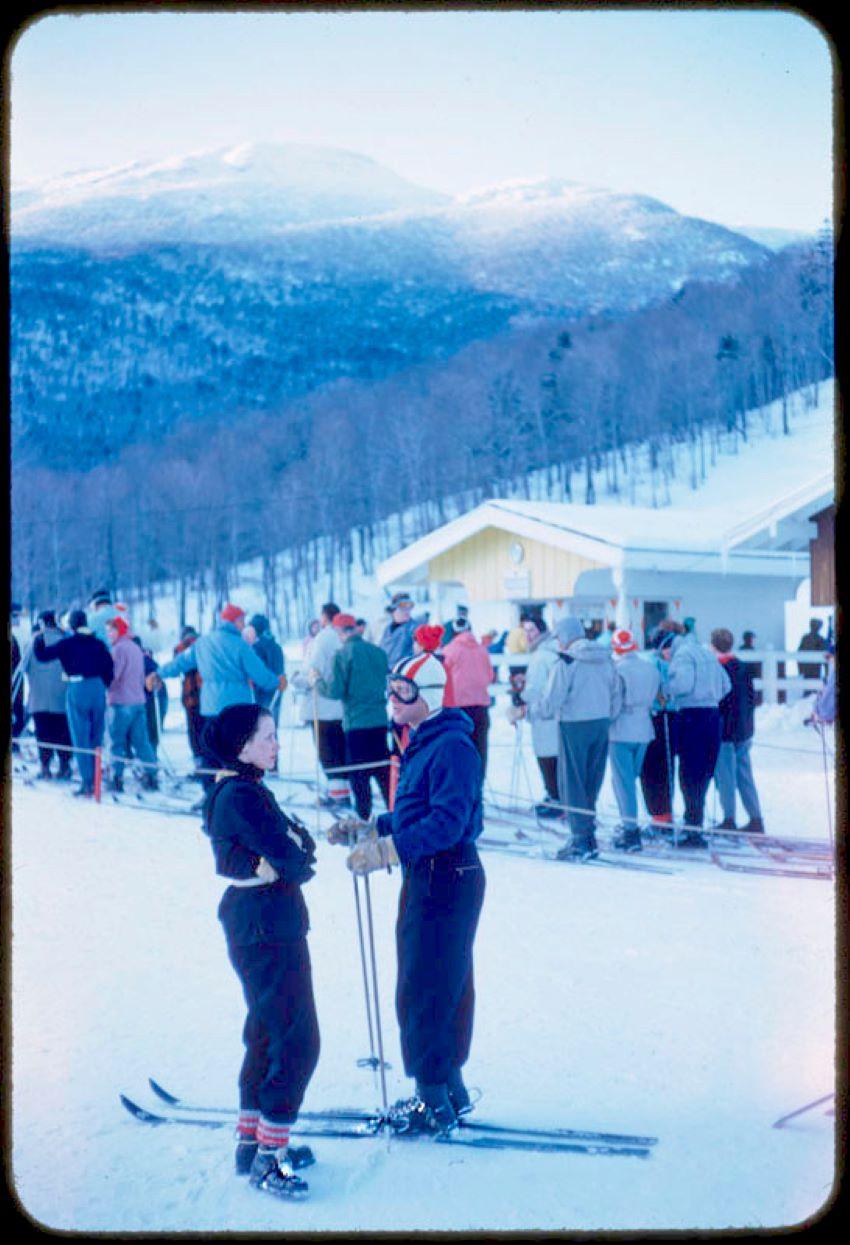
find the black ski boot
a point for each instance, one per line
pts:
(458, 1093)
(754, 826)
(246, 1151)
(430, 1111)
(582, 847)
(549, 808)
(728, 823)
(272, 1173)
(691, 838)
(627, 839)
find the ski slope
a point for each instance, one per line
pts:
(697, 1007)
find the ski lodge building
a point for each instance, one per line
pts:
(631, 564)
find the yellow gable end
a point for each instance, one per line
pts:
(494, 565)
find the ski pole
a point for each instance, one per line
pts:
(372, 1061)
(316, 737)
(18, 674)
(371, 930)
(822, 734)
(670, 771)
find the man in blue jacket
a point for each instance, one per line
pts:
(432, 829)
(227, 665)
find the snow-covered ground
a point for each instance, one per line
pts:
(696, 1006)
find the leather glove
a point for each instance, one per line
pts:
(266, 871)
(348, 830)
(153, 682)
(371, 854)
(283, 683)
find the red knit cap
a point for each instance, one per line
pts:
(622, 641)
(119, 624)
(344, 620)
(230, 613)
(428, 636)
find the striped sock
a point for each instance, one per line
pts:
(246, 1125)
(272, 1136)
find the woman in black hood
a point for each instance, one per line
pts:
(266, 857)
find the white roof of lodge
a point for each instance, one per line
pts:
(698, 539)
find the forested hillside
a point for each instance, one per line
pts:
(317, 476)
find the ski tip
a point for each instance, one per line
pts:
(139, 1112)
(162, 1093)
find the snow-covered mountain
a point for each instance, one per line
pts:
(226, 195)
(554, 242)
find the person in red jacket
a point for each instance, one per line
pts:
(470, 674)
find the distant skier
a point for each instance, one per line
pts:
(397, 639)
(101, 610)
(698, 683)
(545, 736)
(266, 857)
(583, 692)
(190, 693)
(87, 666)
(469, 673)
(46, 704)
(812, 642)
(630, 733)
(359, 682)
(227, 664)
(323, 714)
(432, 828)
(658, 772)
(734, 771)
(128, 727)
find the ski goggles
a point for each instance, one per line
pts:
(404, 690)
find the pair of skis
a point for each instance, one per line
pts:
(352, 1123)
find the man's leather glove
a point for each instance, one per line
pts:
(282, 683)
(372, 853)
(348, 830)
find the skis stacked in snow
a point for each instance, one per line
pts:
(526, 843)
(349, 1122)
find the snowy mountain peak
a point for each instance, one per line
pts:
(228, 193)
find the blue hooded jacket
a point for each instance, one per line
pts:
(438, 800)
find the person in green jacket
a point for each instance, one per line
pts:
(359, 680)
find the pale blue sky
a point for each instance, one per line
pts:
(721, 113)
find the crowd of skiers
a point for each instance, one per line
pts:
(95, 673)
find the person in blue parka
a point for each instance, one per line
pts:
(231, 672)
(431, 830)
(266, 858)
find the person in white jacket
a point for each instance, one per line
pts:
(630, 733)
(545, 736)
(325, 714)
(583, 693)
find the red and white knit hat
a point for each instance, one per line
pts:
(622, 641)
(428, 675)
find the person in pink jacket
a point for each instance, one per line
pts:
(470, 674)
